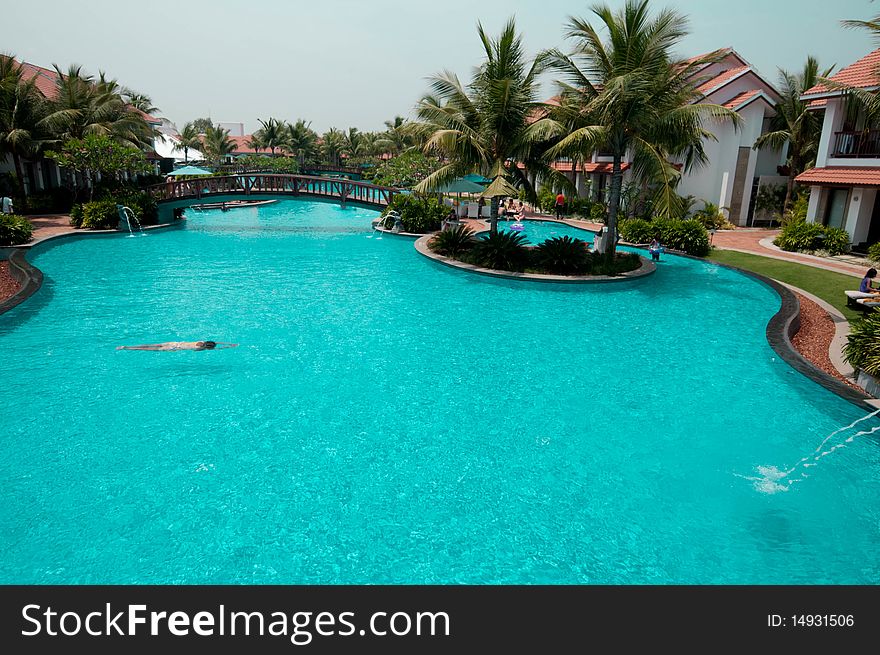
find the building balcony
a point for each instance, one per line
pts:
(864, 144)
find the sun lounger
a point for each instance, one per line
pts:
(472, 210)
(853, 297)
(862, 300)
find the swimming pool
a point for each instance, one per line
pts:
(389, 420)
(537, 232)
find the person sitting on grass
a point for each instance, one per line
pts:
(180, 345)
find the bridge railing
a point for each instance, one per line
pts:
(274, 183)
(335, 169)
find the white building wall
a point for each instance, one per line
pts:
(813, 206)
(705, 182)
(832, 123)
(858, 214)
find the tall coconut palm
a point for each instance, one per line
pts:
(301, 141)
(397, 136)
(333, 145)
(216, 144)
(140, 101)
(189, 138)
(794, 125)
(629, 96)
(84, 105)
(273, 134)
(352, 141)
(486, 127)
(257, 141)
(21, 110)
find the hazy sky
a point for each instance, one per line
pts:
(356, 62)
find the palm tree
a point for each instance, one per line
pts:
(216, 144)
(794, 124)
(397, 136)
(257, 141)
(189, 138)
(485, 127)
(87, 106)
(140, 101)
(273, 134)
(630, 97)
(301, 140)
(352, 141)
(333, 145)
(21, 110)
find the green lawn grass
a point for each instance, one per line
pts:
(827, 285)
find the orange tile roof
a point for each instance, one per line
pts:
(589, 167)
(45, 79)
(742, 99)
(721, 79)
(840, 175)
(150, 119)
(863, 74)
(821, 103)
(242, 146)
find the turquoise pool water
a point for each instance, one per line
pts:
(537, 232)
(386, 419)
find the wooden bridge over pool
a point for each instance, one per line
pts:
(186, 192)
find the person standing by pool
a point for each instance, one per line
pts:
(865, 286)
(180, 345)
(560, 204)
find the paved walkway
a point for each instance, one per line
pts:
(759, 242)
(49, 225)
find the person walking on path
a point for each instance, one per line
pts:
(560, 204)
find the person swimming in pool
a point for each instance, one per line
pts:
(180, 345)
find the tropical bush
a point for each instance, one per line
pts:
(100, 215)
(270, 164)
(862, 349)
(76, 215)
(598, 212)
(637, 230)
(406, 170)
(140, 202)
(419, 214)
(836, 241)
(799, 235)
(579, 206)
(874, 253)
(453, 243)
(623, 262)
(797, 211)
(688, 235)
(562, 256)
(14, 230)
(711, 216)
(547, 199)
(505, 251)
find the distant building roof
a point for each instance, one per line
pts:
(863, 74)
(243, 147)
(840, 176)
(722, 79)
(45, 79)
